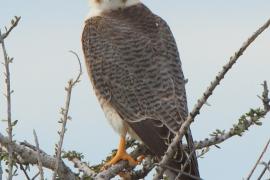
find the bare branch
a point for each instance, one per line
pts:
(259, 160)
(66, 117)
(196, 110)
(264, 170)
(77, 80)
(14, 23)
(30, 156)
(7, 61)
(24, 171)
(39, 157)
(35, 176)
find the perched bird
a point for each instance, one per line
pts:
(135, 69)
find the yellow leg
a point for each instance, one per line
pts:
(122, 155)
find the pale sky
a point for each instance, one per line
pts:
(207, 34)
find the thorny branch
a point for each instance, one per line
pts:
(196, 110)
(64, 113)
(245, 121)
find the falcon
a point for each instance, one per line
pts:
(134, 66)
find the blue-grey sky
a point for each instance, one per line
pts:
(207, 34)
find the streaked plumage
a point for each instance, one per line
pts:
(135, 69)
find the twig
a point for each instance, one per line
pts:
(30, 156)
(259, 160)
(39, 157)
(7, 61)
(265, 96)
(35, 176)
(66, 117)
(265, 164)
(264, 170)
(247, 120)
(77, 80)
(24, 171)
(233, 132)
(196, 110)
(14, 23)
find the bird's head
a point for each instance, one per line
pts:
(100, 6)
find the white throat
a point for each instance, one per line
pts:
(106, 5)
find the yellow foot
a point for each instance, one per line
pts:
(122, 155)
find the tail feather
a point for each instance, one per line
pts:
(155, 140)
(191, 171)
